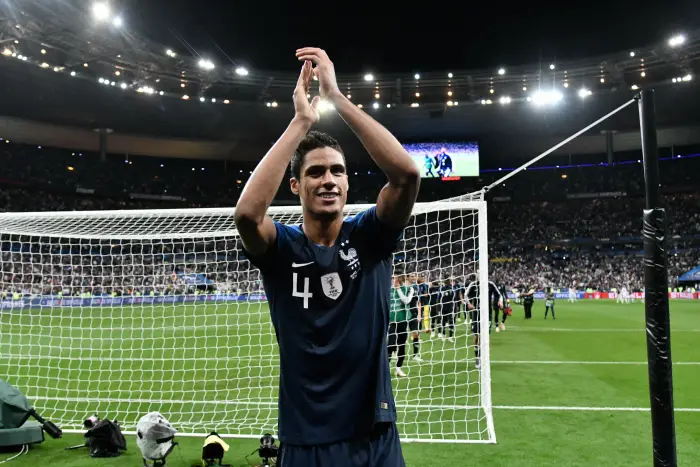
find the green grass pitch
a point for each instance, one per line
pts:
(570, 392)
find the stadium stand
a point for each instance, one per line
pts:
(559, 227)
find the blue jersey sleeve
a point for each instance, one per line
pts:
(378, 238)
(268, 260)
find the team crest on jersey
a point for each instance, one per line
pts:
(332, 285)
(351, 258)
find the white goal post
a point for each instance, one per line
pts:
(120, 313)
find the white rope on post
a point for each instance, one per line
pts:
(554, 148)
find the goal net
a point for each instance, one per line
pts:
(120, 313)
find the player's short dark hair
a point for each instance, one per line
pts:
(312, 140)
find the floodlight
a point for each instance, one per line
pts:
(101, 11)
(547, 97)
(676, 40)
(206, 64)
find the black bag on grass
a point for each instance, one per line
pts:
(105, 439)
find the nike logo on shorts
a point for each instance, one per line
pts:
(299, 265)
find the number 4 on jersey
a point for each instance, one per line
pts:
(305, 294)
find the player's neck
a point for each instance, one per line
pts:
(322, 231)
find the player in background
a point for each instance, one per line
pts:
(415, 313)
(549, 299)
(449, 296)
(463, 294)
(399, 310)
(435, 313)
(472, 302)
(528, 301)
(436, 162)
(507, 311)
(428, 166)
(624, 295)
(494, 319)
(445, 297)
(572, 295)
(424, 297)
(461, 312)
(500, 305)
(445, 167)
(328, 282)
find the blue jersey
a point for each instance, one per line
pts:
(423, 293)
(448, 294)
(330, 310)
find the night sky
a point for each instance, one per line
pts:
(430, 36)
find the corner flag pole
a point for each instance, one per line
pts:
(658, 328)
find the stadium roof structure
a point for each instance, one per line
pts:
(71, 39)
(59, 67)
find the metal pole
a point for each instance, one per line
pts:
(658, 328)
(555, 147)
(103, 144)
(609, 149)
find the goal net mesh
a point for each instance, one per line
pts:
(120, 313)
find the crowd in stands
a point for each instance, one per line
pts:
(585, 269)
(92, 268)
(578, 226)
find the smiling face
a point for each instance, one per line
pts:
(322, 185)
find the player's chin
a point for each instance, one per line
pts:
(327, 209)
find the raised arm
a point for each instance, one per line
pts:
(405, 299)
(255, 227)
(396, 200)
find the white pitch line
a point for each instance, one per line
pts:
(275, 359)
(133, 359)
(586, 409)
(573, 362)
(204, 433)
(641, 329)
(273, 404)
(109, 400)
(205, 327)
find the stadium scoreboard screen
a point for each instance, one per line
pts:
(445, 161)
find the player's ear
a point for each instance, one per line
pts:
(294, 185)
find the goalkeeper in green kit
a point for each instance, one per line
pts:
(399, 309)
